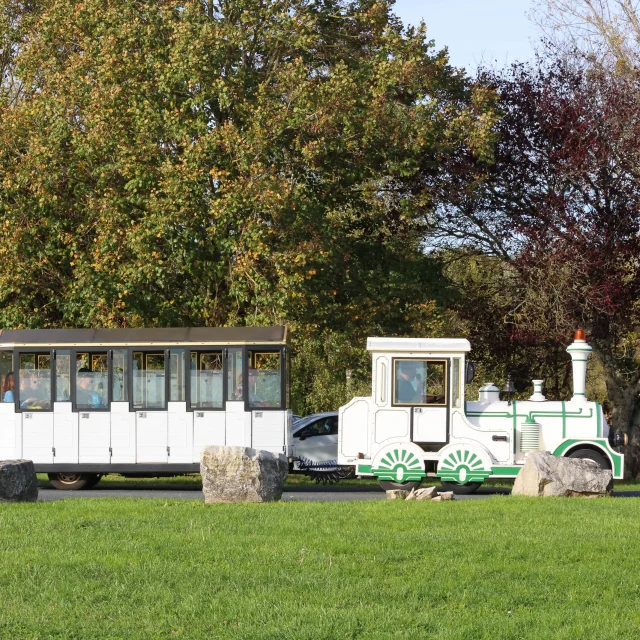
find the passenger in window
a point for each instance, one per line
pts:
(32, 396)
(254, 399)
(405, 392)
(7, 387)
(85, 395)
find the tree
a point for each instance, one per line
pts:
(606, 31)
(561, 207)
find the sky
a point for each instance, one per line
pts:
(493, 32)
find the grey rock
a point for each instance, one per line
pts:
(18, 481)
(446, 495)
(544, 474)
(427, 493)
(242, 474)
(398, 494)
(437, 499)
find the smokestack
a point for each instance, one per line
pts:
(579, 351)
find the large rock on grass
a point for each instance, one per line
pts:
(18, 481)
(242, 474)
(546, 475)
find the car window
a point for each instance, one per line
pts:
(321, 427)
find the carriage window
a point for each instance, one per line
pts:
(35, 381)
(455, 382)
(419, 382)
(176, 375)
(120, 365)
(6, 376)
(206, 379)
(92, 380)
(265, 380)
(234, 375)
(63, 375)
(148, 380)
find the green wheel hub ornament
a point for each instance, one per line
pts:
(462, 466)
(400, 465)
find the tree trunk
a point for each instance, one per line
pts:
(624, 395)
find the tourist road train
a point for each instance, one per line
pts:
(82, 403)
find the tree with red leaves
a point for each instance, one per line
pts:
(561, 208)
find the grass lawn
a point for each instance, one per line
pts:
(498, 568)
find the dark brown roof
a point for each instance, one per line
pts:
(189, 335)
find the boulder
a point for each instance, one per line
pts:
(242, 474)
(546, 475)
(422, 494)
(18, 481)
(398, 494)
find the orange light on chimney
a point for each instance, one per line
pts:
(580, 335)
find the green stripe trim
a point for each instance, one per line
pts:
(598, 420)
(363, 468)
(564, 421)
(505, 471)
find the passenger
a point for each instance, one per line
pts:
(405, 393)
(85, 395)
(254, 399)
(31, 395)
(7, 387)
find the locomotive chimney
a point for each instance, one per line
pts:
(579, 351)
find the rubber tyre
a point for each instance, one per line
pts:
(72, 481)
(461, 489)
(389, 485)
(588, 454)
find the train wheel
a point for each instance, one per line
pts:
(588, 454)
(66, 481)
(461, 489)
(389, 485)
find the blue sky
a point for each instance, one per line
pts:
(496, 32)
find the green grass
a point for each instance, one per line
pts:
(502, 568)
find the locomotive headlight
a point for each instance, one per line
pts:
(618, 439)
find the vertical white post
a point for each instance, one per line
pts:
(579, 351)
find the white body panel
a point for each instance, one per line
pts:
(151, 436)
(237, 425)
(268, 429)
(430, 424)
(179, 432)
(65, 433)
(94, 436)
(123, 434)
(208, 429)
(10, 432)
(37, 436)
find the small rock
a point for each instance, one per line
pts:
(398, 494)
(426, 494)
(18, 481)
(446, 495)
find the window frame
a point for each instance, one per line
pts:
(167, 382)
(282, 350)
(199, 349)
(73, 375)
(444, 361)
(16, 371)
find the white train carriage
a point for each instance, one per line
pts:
(81, 403)
(417, 422)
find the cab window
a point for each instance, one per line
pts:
(419, 382)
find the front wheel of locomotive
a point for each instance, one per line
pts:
(461, 489)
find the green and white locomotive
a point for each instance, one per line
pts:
(417, 423)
